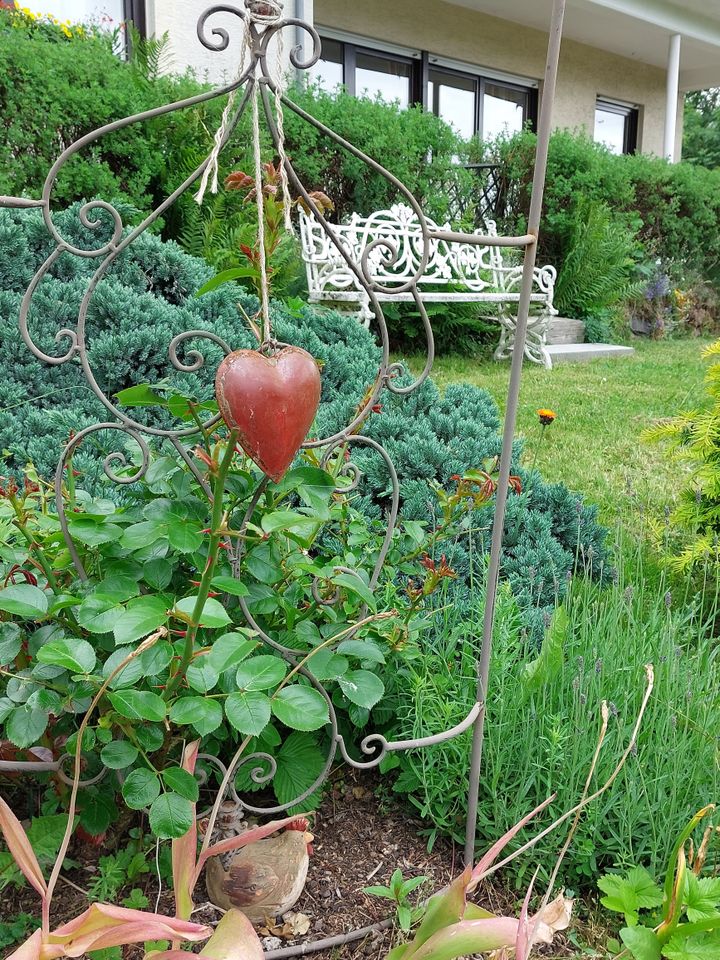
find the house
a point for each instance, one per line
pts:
(624, 66)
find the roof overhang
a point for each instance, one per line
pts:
(637, 29)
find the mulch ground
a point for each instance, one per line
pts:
(359, 840)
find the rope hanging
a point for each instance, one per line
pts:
(260, 13)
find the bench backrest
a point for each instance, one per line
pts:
(473, 268)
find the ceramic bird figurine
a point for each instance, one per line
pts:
(264, 879)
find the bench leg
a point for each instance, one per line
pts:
(535, 341)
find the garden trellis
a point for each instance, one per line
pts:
(257, 87)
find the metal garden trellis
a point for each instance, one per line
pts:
(257, 79)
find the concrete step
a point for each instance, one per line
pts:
(582, 352)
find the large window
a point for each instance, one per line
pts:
(471, 103)
(368, 73)
(616, 126)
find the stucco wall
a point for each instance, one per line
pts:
(452, 31)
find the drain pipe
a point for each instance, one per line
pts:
(300, 33)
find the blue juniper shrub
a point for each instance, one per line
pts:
(148, 298)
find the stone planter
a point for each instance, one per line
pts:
(564, 330)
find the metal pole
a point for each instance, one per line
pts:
(671, 97)
(544, 130)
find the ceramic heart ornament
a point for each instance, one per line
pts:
(271, 401)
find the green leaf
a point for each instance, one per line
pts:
(229, 650)
(202, 675)
(119, 754)
(116, 589)
(362, 688)
(641, 942)
(141, 395)
(25, 725)
(357, 586)
(92, 531)
(288, 520)
(184, 536)
(181, 782)
(299, 764)
(301, 708)
(140, 788)
(702, 897)
(157, 573)
(129, 675)
(548, 664)
(226, 276)
(230, 585)
(326, 665)
(362, 649)
(264, 563)
(143, 534)
(75, 655)
(10, 642)
(203, 715)
(213, 613)
(171, 816)
(138, 705)
(97, 810)
(98, 616)
(261, 673)
(24, 600)
(248, 712)
(630, 892)
(140, 618)
(702, 946)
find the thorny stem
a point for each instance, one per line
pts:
(217, 534)
(243, 746)
(37, 552)
(145, 645)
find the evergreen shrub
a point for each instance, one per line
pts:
(148, 298)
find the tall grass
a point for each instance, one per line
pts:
(541, 741)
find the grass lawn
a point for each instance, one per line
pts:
(602, 407)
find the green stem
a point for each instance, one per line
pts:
(216, 536)
(37, 552)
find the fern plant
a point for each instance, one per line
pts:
(597, 271)
(696, 434)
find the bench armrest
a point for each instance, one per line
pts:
(544, 278)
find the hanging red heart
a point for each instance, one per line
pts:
(271, 401)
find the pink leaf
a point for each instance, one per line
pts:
(184, 850)
(523, 943)
(30, 950)
(104, 925)
(469, 937)
(493, 853)
(234, 939)
(20, 849)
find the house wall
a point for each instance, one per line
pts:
(462, 34)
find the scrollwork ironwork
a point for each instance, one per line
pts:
(411, 261)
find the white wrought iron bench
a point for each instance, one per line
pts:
(455, 273)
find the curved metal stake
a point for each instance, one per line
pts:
(544, 130)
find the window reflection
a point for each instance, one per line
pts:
(503, 111)
(328, 72)
(453, 99)
(384, 77)
(610, 129)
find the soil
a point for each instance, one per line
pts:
(360, 839)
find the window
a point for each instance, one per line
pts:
(616, 126)
(110, 12)
(470, 103)
(477, 105)
(368, 73)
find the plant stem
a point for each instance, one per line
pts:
(216, 536)
(39, 555)
(62, 852)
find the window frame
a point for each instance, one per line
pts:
(630, 112)
(421, 64)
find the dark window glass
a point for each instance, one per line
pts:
(616, 127)
(504, 110)
(328, 72)
(383, 76)
(453, 98)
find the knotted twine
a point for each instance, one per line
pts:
(263, 13)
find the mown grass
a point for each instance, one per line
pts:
(602, 408)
